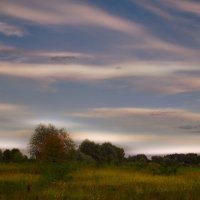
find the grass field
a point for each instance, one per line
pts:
(39, 181)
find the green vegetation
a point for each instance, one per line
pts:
(57, 170)
(79, 181)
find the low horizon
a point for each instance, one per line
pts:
(126, 72)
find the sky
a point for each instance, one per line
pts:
(124, 71)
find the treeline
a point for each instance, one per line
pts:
(183, 159)
(13, 155)
(50, 144)
(102, 153)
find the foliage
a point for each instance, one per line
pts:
(138, 158)
(83, 158)
(163, 169)
(13, 155)
(181, 159)
(102, 153)
(51, 144)
(62, 181)
(1, 155)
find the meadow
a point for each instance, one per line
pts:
(90, 182)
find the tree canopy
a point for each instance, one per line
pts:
(102, 153)
(49, 143)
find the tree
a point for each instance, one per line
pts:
(49, 143)
(157, 159)
(138, 158)
(91, 149)
(7, 155)
(102, 153)
(111, 153)
(13, 155)
(1, 155)
(16, 155)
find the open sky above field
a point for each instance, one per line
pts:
(124, 71)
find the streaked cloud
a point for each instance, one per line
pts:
(142, 130)
(174, 84)
(6, 48)
(11, 30)
(79, 14)
(90, 72)
(83, 57)
(13, 55)
(146, 112)
(192, 7)
(65, 13)
(5, 107)
(9, 112)
(160, 77)
(164, 8)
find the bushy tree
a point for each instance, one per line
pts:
(157, 159)
(138, 158)
(102, 153)
(49, 143)
(7, 155)
(91, 149)
(111, 153)
(14, 155)
(1, 155)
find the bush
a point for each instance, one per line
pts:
(162, 169)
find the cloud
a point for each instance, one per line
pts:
(159, 77)
(164, 8)
(175, 15)
(11, 116)
(190, 127)
(90, 72)
(172, 84)
(61, 13)
(163, 113)
(11, 30)
(6, 48)
(192, 7)
(144, 121)
(141, 130)
(4, 107)
(13, 53)
(15, 138)
(65, 13)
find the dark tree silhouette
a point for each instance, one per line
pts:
(1, 155)
(51, 144)
(13, 155)
(104, 153)
(7, 155)
(138, 158)
(91, 149)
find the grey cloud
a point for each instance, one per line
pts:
(11, 30)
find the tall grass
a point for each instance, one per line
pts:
(74, 181)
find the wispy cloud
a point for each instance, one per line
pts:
(174, 84)
(148, 130)
(161, 77)
(164, 8)
(66, 13)
(5, 48)
(80, 15)
(4, 107)
(10, 114)
(145, 112)
(11, 30)
(89, 72)
(192, 7)
(13, 53)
